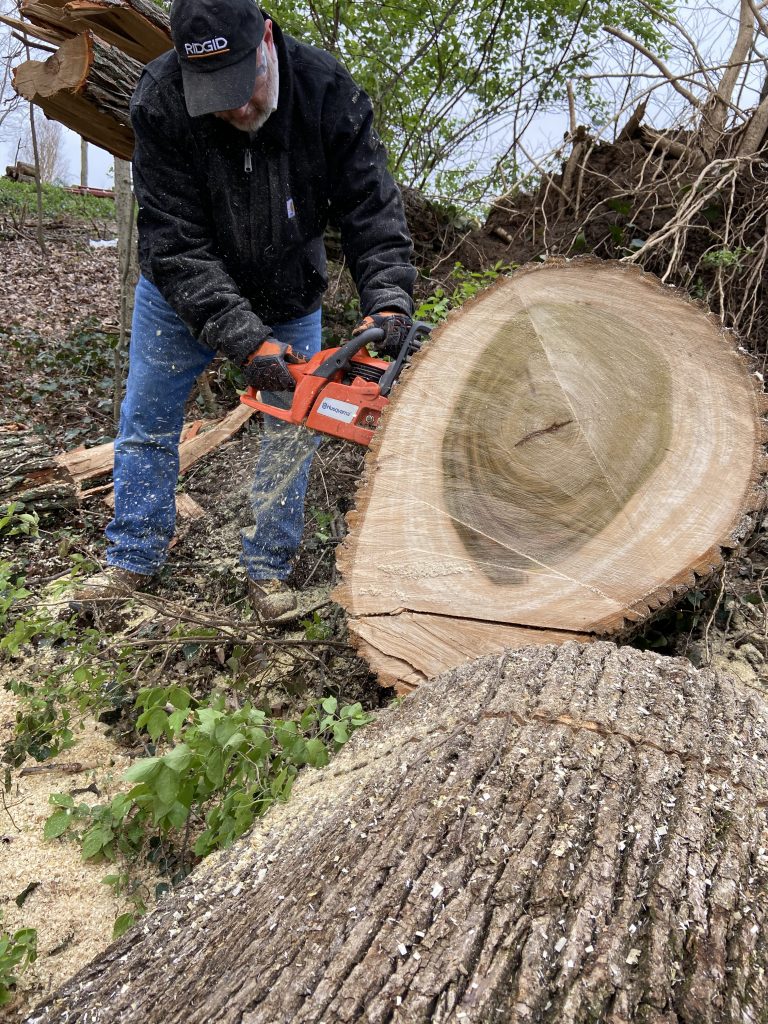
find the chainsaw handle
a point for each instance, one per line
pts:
(412, 343)
(342, 356)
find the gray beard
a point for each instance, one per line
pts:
(270, 105)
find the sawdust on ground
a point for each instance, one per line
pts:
(71, 908)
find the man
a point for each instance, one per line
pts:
(247, 142)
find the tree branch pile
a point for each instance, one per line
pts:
(651, 199)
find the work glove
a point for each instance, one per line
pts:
(395, 327)
(266, 369)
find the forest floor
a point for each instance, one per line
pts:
(57, 336)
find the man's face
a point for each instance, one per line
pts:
(263, 101)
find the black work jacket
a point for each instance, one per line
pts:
(231, 225)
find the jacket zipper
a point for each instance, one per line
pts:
(248, 164)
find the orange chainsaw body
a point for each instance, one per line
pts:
(338, 391)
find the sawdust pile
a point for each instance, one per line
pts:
(71, 908)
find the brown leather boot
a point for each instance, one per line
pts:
(271, 598)
(108, 589)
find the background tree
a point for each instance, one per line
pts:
(50, 140)
(454, 84)
(11, 50)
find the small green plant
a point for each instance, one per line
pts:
(17, 951)
(225, 768)
(316, 628)
(14, 521)
(123, 884)
(467, 283)
(12, 590)
(78, 676)
(323, 522)
(724, 259)
(16, 195)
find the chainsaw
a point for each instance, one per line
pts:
(340, 391)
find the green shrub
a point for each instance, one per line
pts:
(17, 951)
(57, 202)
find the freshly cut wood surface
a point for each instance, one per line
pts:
(554, 835)
(567, 451)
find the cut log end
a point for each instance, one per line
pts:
(568, 452)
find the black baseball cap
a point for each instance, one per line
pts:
(216, 42)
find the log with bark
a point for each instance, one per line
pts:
(30, 474)
(138, 28)
(21, 172)
(86, 86)
(556, 835)
(569, 453)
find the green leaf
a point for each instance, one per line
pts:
(166, 786)
(177, 815)
(61, 800)
(57, 824)
(157, 719)
(340, 733)
(329, 705)
(175, 721)
(143, 770)
(179, 697)
(214, 768)
(317, 753)
(122, 924)
(179, 758)
(94, 841)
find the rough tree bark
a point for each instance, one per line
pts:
(562, 835)
(139, 28)
(30, 474)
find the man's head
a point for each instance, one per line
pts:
(228, 60)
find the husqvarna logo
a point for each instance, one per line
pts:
(208, 48)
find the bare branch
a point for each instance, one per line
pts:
(717, 107)
(673, 80)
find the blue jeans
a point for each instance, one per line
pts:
(165, 361)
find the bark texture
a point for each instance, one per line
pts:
(87, 86)
(570, 834)
(30, 474)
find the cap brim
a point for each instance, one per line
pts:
(209, 92)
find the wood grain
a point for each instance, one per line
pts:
(566, 453)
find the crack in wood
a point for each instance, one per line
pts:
(544, 430)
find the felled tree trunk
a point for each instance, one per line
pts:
(561, 835)
(139, 28)
(569, 452)
(87, 87)
(30, 474)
